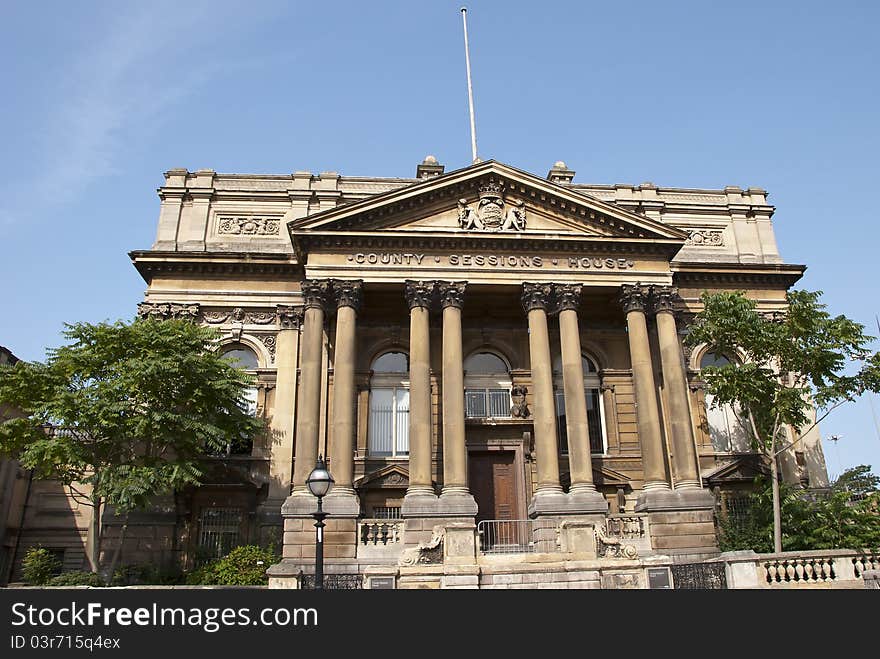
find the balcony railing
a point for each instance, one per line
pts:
(506, 536)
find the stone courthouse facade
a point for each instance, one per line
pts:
(491, 360)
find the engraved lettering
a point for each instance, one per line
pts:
(358, 258)
(493, 260)
(479, 259)
(372, 258)
(453, 259)
(609, 263)
(537, 262)
(418, 258)
(397, 259)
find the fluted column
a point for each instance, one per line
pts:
(286, 354)
(314, 292)
(548, 497)
(342, 499)
(582, 489)
(634, 299)
(420, 498)
(455, 497)
(684, 459)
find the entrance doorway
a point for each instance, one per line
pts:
(492, 481)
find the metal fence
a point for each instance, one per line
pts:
(506, 536)
(699, 576)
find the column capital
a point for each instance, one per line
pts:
(314, 292)
(568, 297)
(419, 293)
(452, 293)
(348, 293)
(634, 297)
(289, 317)
(665, 298)
(536, 296)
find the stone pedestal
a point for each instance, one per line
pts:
(460, 544)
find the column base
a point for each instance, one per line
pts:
(342, 503)
(679, 499)
(301, 503)
(550, 502)
(454, 502)
(586, 499)
(421, 502)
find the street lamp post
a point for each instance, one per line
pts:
(319, 483)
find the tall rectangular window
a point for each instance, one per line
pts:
(594, 420)
(388, 433)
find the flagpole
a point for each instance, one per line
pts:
(467, 61)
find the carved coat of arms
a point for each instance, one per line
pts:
(490, 213)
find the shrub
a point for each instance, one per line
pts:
(147, 573)
(38, 566)
(76, 579)
(243, 566)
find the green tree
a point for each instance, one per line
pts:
(124, 412)
(787, 363)
(844, 517)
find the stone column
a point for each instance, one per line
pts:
(634, 299)
(342, 499)
(549, 497)
(582, 492)
(684, 459)
(287, 347)
(314, 292)
(420, 499)
(455, 499)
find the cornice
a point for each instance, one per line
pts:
(519, 242)
(774, 274)
(150, 263)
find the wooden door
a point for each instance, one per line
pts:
(492, 482)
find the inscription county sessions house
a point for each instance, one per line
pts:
(492, 361)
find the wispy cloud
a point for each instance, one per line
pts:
(125, 83)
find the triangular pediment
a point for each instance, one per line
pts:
(392, 476)
(603, 476)
(742, 469)
(488, 199)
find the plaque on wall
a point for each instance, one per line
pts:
(658, 577)
(381, 583)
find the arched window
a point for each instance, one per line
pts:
(243, 357)
(595, 406)
(486, 387)
(388, 431)
(727, 426)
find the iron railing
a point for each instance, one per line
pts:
(333, 582)
(506, 536)
(699, 576)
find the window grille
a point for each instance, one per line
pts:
(219, 532)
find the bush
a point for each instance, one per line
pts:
(243, 566)
(130, 575)
(38, 566)
(76, 579)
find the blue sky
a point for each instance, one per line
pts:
(100, 98)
